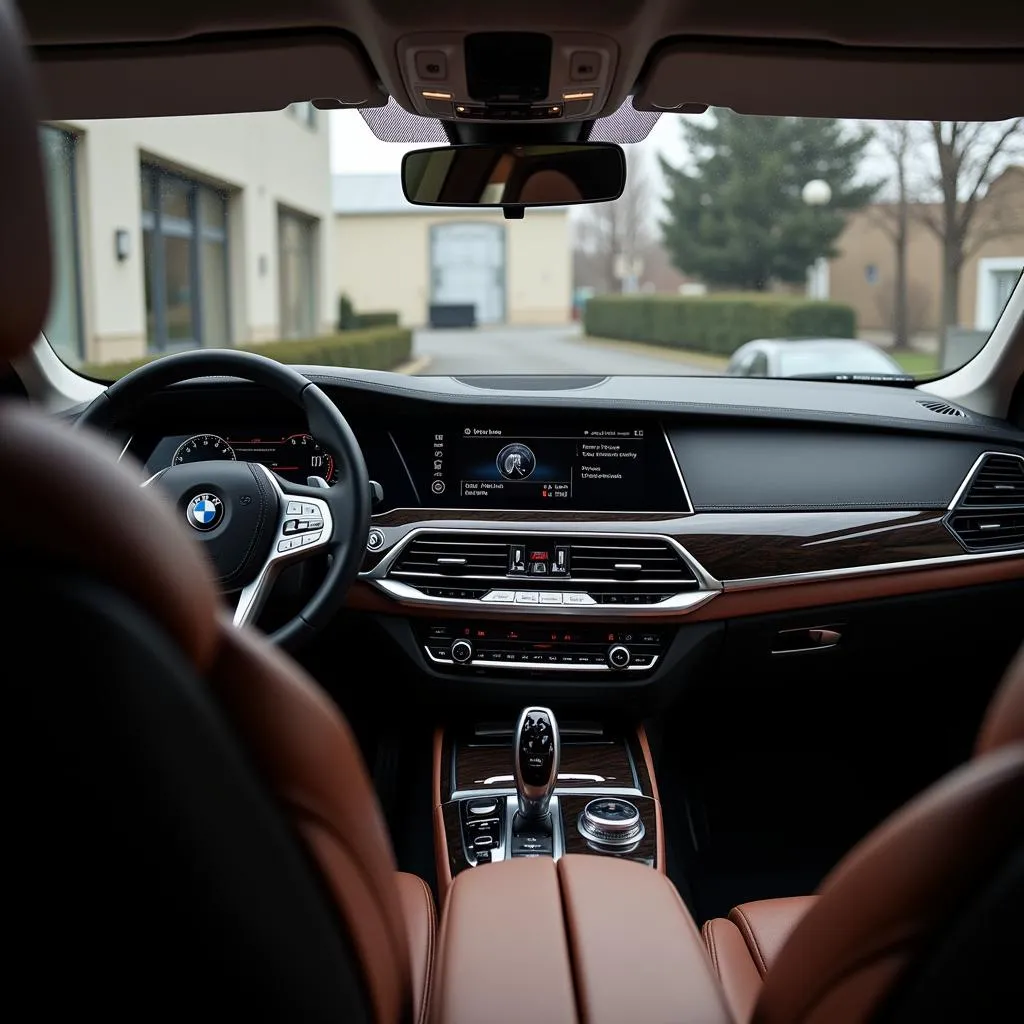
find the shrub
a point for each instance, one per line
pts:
(717, 324)
(346, 313)
(383, 318)
(381, 348)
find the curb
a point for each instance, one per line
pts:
(414, 366)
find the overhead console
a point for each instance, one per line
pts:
(508, 76)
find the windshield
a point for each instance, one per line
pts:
(287, 233)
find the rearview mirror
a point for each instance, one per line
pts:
(505, 175)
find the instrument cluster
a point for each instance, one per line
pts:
(295, 457)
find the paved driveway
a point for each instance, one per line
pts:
(503, 350)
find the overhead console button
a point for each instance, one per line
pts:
(432, 65)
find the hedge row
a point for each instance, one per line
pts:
(382, 348)
(718, 324)
(350, 320)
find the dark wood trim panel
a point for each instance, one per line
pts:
(647, 852)
(773, 595)
(737, 547)
(733, 604)
(730, 546)
(474, 765)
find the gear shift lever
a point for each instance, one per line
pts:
(537, 753)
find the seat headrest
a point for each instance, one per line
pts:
(1004, 720)
(25, 252)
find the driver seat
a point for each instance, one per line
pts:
(191, 830)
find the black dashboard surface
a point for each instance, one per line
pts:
(742, 445)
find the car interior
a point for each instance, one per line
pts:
(735, 733)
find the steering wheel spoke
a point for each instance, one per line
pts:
(305, 526)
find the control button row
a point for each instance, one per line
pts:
(302, 525)
(537, 597)
(299, 540)
(302, 508)
(533, 658)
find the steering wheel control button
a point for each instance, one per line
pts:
(311, 538)
(611, 823)
(294, 508)
(205, 512)
(619, 656)
(375, 541)
(289, 544)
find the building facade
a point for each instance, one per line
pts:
(184, 232)
(390, 255)
(863, 274)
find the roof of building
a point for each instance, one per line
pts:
(362, 194)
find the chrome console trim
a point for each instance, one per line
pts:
(525, 666)
(404, 593)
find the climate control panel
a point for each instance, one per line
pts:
(485, 646)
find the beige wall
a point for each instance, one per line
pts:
(864, 243)
(263, 160)
(382, 262)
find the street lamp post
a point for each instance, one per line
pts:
(817, 192)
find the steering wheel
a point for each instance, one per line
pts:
(250, 521)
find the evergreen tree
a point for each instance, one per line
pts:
(735, 215)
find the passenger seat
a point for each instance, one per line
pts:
(916, 923)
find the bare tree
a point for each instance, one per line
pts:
(609, 233)
(896, 140)
(969, 156)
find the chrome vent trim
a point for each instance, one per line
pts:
(439, 556)
(628, 560)
(987, 513)
(997, 481)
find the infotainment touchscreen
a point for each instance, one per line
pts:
(478, 463)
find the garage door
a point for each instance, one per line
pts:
(467, 263)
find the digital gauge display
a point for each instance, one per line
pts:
(294, 458)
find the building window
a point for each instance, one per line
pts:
(297, 260)
(871, 274)
(303, 112)
(185, 248)
(64, 324)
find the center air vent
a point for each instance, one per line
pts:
(990, 515)
(998, 481)
(642, 560)
(437, 554)
(545, 560)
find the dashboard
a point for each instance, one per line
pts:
(536, 529)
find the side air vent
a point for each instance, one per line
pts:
(943, 408)
(432, 555)
(989, 531)
(990, 515)
(998, 481)
(641, 561)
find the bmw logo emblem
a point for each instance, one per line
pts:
(205, 511)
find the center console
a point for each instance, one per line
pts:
(539, 788)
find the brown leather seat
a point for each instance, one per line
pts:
(915, 917)
(195, 829)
